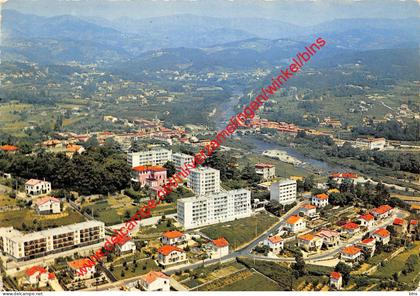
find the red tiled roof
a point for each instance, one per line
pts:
(382, 232)
(309, 207)
(33, 182)
(34, 269)
(382, 209)
(275, 239)
(398, 221)
(8, 148)
(153, 276)
(263, 165)
(413, 222)
(293, 219)
(344, 175)
(351, 250)
(42, 200)
(145, 168)
(220, 242)
(172, 234)
(77, 264)
(335, 275)
(367, 217)
(368, 240)
(321, 196)
(51, 276)
(167, 249)
(307, 237)
(351, 226)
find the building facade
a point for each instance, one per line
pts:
(150, 157)
(47, 205)
(37, 187)
(204, 180)
(28, 246)
(180, 159)
(284, 191)
(214, 208)
(265, 170)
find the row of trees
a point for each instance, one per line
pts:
(100, 170)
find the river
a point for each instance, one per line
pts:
(226, 111)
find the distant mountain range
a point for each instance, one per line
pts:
(189, 39)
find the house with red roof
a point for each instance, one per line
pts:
(275, 243)
(382, 236)
(382, 212)
(330, 238)
(218, 248)
(154, 281)
(47, 205)
(413, 226)
(172, 237)
(9, 148)
(37, 187)
(309, 242)
(368, 246)
(336, 280)
(351, 254)
(265, 170)
(349, 229)
(169, 255)
(400, 225)
(320, 200)
(38, 276)
(81, 269)
(295, 224)
(153, 176)
(308, 210)
(367, 220)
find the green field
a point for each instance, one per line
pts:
(255, 282)
(241, 231)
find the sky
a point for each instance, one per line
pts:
(301, 12)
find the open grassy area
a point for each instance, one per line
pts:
(5, 200)
(28, 216)
(129, 259)
(241, 231)
(143, 267)
(397, 264)
(254, 282)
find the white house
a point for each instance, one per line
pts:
(82, 268)
(168, 255)
(219, 248)
(367, 221)
(320, 200)
(295, 224)
(172, 237)
(368, 246)
(38, 276)
(128, 247)
(308, 210)
(382, 212)
(310, 242)
(336, 280)
(265, 170)
(330, 238)
(351, 254)
(275, 243)
(350, 228)
(37, 187)
(47, 205)
(154, 281)
(382, 235)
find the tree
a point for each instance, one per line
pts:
(170, 167)
(308, 183)
(345, 270)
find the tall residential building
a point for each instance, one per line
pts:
(284, 191)
(204, 180)
(214, 208)
(180, 159)
(26, 246)
(158, 156)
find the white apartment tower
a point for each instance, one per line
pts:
(214, 208)
(180, 159)
(204, 181)
(284, 191)
(158, 156)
